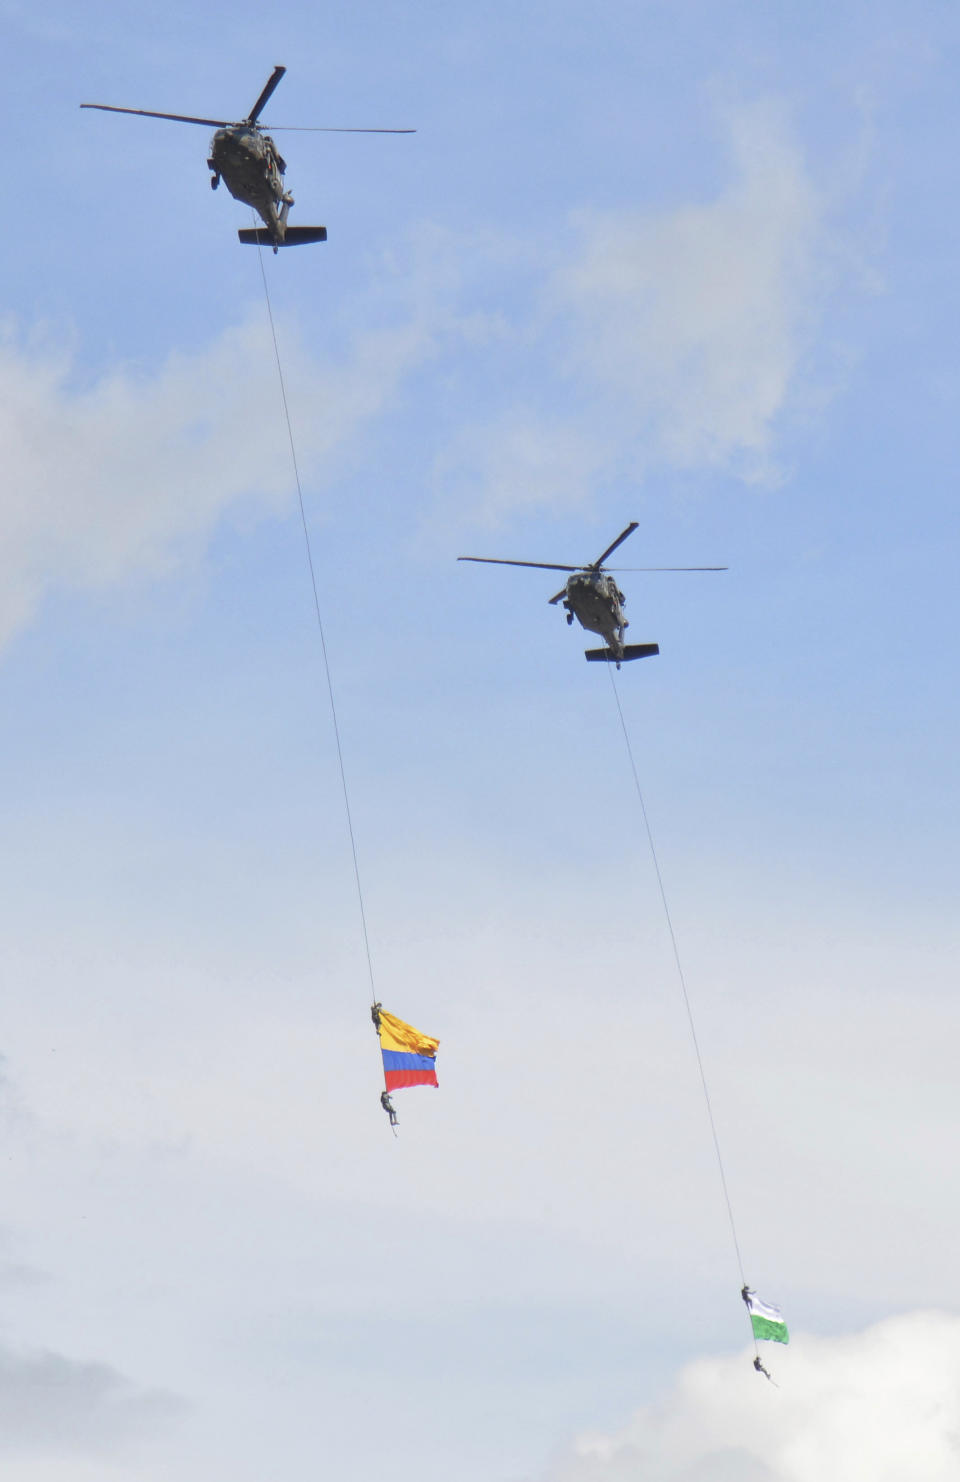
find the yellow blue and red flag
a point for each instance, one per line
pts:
(409, 1057)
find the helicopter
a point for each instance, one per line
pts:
(591, 595)
(252, 168)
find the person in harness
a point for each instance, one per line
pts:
(388, 1107)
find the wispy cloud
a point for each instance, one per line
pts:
(695, 319)
(50, 1402)
(667, 338)
(122, 478)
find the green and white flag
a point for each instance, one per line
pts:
(767, 1320)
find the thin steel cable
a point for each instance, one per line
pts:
(323, 640)
(683, 984)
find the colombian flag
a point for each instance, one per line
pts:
(409, 1057)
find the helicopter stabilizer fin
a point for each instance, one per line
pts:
(295, 236)
(630, 651)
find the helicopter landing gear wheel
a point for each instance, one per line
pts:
(569, 619)
(214, 181)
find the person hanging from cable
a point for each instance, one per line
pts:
(409, 1056)
(767, 1323)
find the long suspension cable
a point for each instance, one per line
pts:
(323, 640)
(682, 979)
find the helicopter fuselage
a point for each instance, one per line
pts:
(595, 600)
(252, 169)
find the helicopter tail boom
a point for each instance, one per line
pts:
(294, 236)
(630, 651)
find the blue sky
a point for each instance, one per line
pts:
(689, 264)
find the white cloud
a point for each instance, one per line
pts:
(695, 320)
(120, 478)
(878, 1406)
(673, 337)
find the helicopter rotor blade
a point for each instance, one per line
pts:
(668, 568)
(265, 96)
(499, 561)
(611, 548)
(321, 129)
(210, 123)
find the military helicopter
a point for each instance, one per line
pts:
(252, 168)
(592, 596)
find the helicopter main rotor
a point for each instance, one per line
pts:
(252, 120)
(266, 95)
(595, 567)
(611, 548)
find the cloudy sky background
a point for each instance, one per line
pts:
(691, 264)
